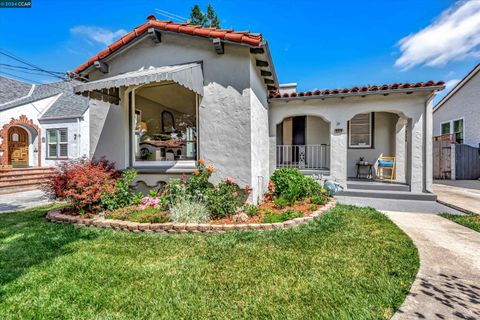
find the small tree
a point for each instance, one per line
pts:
(196, 16)
(209, 20)
(212, 18)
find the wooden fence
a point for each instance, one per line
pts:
(467, 162)
(442, 159)
(455, 161)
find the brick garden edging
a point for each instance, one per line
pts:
(129, 226)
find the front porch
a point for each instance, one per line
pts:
(337, 138)
(303, 142)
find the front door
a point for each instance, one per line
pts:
(298, 139)
(18, 146)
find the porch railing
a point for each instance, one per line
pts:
(303, 156)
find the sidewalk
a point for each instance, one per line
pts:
(22, 200)
(462, 194)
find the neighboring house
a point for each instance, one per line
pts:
(174, 93)
(457, 115)
(41, 124)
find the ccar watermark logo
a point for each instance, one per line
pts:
(15, 4)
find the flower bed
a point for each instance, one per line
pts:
(183, 205)
(213, 227)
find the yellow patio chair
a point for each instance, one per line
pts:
(386, 168)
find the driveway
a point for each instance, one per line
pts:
(22, 200)
(462, 194)
(448, 282)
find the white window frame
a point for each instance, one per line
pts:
(451, 122)
(57, 144)
(370, 132)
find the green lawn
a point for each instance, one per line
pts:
(471, 221)
(351, 263)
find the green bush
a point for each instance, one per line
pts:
(313, 207)
(275, 217)
(122, 196)
(188, 211)
(250, 209)
(281, 202)
(320, 199)
(224, 200)
(291, 184)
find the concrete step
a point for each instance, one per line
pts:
(388, 194)
(39, 175)
(23, 180)
(15, 189)
(376, 185)
(32, 183)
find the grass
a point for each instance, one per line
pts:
(351, 263)
(471, 221)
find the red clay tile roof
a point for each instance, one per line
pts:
(245, 37)
(359, 90)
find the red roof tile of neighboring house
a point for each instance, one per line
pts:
(245, 37)
(359, 90)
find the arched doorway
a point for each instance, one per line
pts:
(21, 143)
(18, 146)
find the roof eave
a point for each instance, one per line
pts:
(141, 37)
(361, 93)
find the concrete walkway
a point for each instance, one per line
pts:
(448, 282)
(22, 200)
(463, 194)
(398, 205)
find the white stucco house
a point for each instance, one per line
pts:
(41, 124)
(168, 94)
(457, 115)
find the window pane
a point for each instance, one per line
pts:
(458, 126)
(52, 136)
(360, 130)
(52, 150)
(63, 150)
(63, 135)
(164, 124)
(446, 128)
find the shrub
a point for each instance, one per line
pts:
(313, 207)
(291, 184)
(82, 183)
(250, 209)
(198, 183)
(320, 199)
(174, 190)
(224, 199)
(310, 187)
(284, 178)
(121, 196)
(188, 211)
(281, 202)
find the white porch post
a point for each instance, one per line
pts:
(417, 155)
(338, 152)
(428, 158)
(400, 150)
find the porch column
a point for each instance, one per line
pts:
(338, 152)
(417, 154)
(401, 150)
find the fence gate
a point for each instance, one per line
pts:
(467, 162)
(442, 160)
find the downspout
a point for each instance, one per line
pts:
(79, 141)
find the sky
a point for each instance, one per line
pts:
(317, 44)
